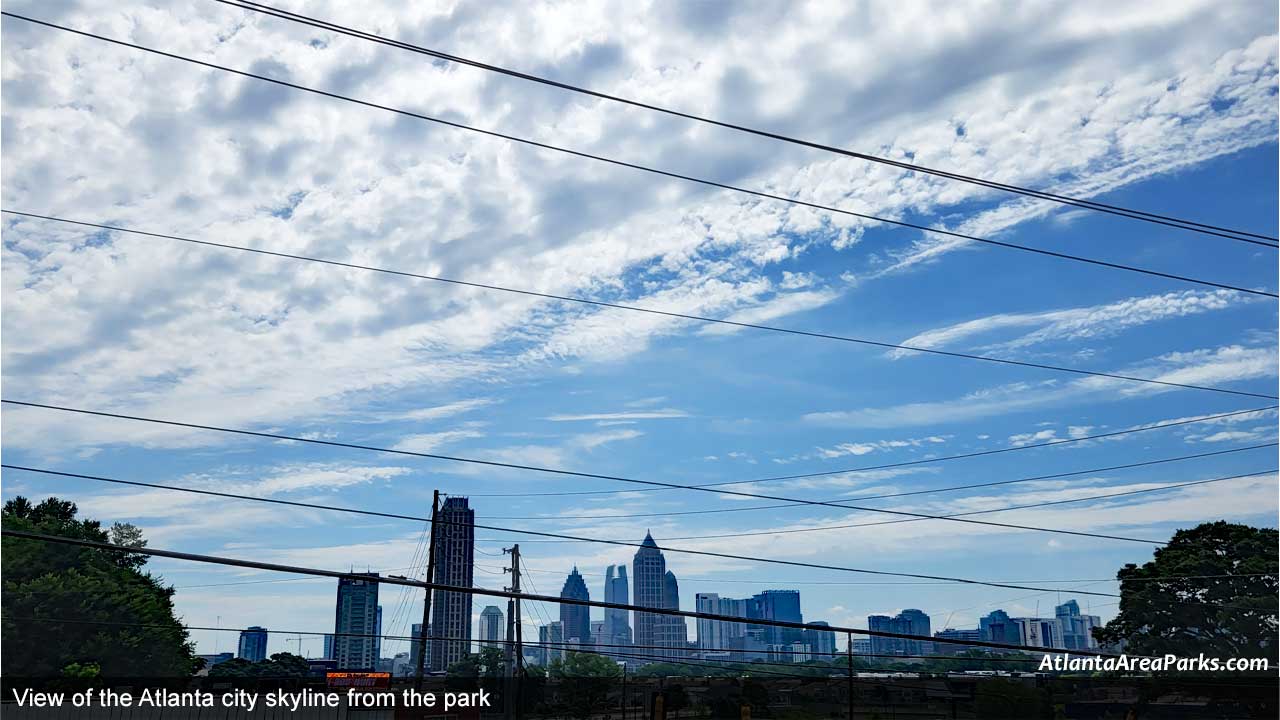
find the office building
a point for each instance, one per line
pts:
(796, 652)
(415, 646)
(1040, 632)
(779, 605)
(492, 632)
(213, 659)
(655, 587)
(454, 565)
(821, 643)
(551, 642)
(575, 620)
(377, 641)
(907, 622)
(997, 626)
(862, 646)
(715, 635)
(675, 631)
(253, 644)
(356, 622)
(617, 628)
(953, 634)
(1077, 629)
(747, 640)
(597, 634)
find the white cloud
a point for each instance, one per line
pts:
(628, 415)
(159, 328)
(1082, 323)
(1209, 366)
(429, 442)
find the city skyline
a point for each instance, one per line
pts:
(1171, 110)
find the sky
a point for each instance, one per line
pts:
(1170, 108)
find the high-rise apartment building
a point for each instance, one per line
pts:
(454, 565)
(356, 622)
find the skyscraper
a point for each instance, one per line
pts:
(492, 631)
(822, 643)
(649, 571)
(454, 565)
(356, 614)
(575, 620)
(617, 629)
(779, 605)
(1039, 632)
(713, 635)
(1077, 629)
(415, 645)
(997, 626)
(377, 641)
(907, 622)
(675, 631)
(253, 644)
(551, 639)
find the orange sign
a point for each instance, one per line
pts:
(373, 680)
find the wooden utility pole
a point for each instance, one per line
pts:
(426, 601)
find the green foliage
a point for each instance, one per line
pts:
(487, 664)
(1159, 615)
(279, 665)
(95, 588)
(584, 665)
(584, 682)
(82, 670)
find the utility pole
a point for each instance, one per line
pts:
(848, 653)
(426, 601)
(514, 646)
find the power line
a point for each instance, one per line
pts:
(952, 516)
(906, 463)
(644, 168)
(532, 468)
(579, 538)
(255, 564)
(748, 665)
(650, 311)
(576, 538)
(913, 517)
(1183, 224)
(776, 582)
(880, 496)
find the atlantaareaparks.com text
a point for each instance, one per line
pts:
(1125, 663)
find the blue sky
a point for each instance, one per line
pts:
(1169, 109)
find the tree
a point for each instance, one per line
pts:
(584, 681)
(1212, 589)
(584, 665)
(279, 665)
(69, 609)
